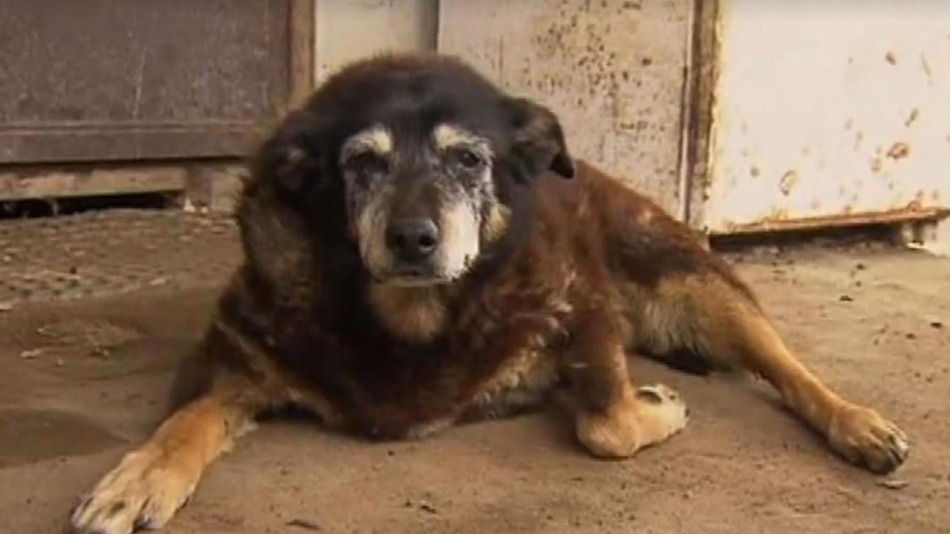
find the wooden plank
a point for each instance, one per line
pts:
(701, 82)
(138, 79)
(73, 142)
(302, 57)
(66, 183)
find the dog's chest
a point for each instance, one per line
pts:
(394, 390)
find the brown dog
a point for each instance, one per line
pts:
(421, 249)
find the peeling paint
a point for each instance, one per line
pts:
(788, 181)
(898, 150)
(612, 70)
(914, 113)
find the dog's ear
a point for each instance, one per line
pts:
(538, 139)
(290, 158)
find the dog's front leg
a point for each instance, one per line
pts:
(151, 483)
(614, 419)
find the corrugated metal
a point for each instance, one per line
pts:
(829, 113)
(612, 70)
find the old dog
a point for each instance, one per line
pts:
(420, 248)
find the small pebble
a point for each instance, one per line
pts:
(893, 483)
(30, 354)
(304, 524)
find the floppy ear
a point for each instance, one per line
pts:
(290, 157)
(539, 139)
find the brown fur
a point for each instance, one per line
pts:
(600, 273)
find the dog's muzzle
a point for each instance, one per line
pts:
(412, 243)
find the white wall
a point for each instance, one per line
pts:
(613, 71)
(830, 109)
(352, 29)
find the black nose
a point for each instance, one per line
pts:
(412, 240)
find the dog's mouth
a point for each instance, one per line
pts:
(412, 276)
(423, 274)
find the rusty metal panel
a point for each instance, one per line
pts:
(138, 79)
(829, 113)
(352, 30)
(612, 70)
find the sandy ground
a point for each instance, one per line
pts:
(83, 379)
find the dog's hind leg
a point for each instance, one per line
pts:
(614, 419)
(151, 483)
(722, 323)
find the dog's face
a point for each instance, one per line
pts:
(427, 158)
(420, 204)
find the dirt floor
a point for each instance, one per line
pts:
(92, 320)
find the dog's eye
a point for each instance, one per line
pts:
(466, 158)
(366, 163)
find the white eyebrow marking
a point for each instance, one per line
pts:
(450, 136)
(376, 138)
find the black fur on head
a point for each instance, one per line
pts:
(414, 167)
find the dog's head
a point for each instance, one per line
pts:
(426, 158)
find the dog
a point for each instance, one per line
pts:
(421, 249)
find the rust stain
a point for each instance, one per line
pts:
(898, 150)
(876, 165)
(913, 117)
(777, 214)
(890, 57)
(926, 66)
(788, 181)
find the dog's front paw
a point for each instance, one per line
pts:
(664, 407)
(142, 493)
(867, 439)
(647, 416)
